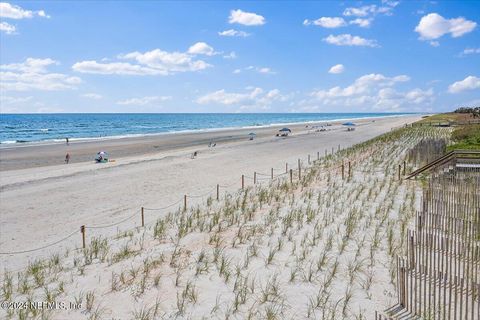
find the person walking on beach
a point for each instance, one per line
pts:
(67, 158)
(66, 139)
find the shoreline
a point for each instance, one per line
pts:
(126, 257)
(37, 200)
(45, 155)
(10, 144)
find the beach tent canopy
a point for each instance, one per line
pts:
(252, 134)
(285, 130)
(348, 124)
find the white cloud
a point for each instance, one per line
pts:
(33, 75)
(10, 104)
(94, 96)
(264, 70)
(10, 11)
(144, 100)
(366, 14)
(118, 68)
(336, 69)
(469, 83)
(201, 48)
(166, 61)
(364, 23)
(349, 40)
(31, 65)
(237, 71)
(42, 14)
(155, 62)
(246, 18)
(226, 98)
(362, 85)
(391, 3)
(419, 96)
(433, 26)
(369, 10)
(250, 100)
(434, 43)
(7, 28)
(7, 100)
(360, 11)
(327, 22)
(468, 51)
(372, 91)
(233, 33)
(231, 55)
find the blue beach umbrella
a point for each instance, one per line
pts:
(350, 124)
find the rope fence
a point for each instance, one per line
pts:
(40, 248)
(289, 171)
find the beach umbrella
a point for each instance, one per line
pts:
(285, 130)
(252, 134)
(101, 156)
(349, 124)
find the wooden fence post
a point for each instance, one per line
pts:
(404, 167)
(343, 171)
(412, 253)
(308, 159)
(185, 202)
(218, 191)
(299, 170)
(318, 155)
(255, 177)
(82, 230)
(272, 173)
(243, 181)
(349, 169)
(399, 171)
(286, 167)
(291, 176)
(143, 218)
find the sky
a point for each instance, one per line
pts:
(214, 56)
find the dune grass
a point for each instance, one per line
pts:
(321, 247)
(466, 138)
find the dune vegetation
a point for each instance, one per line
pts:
(323, 246)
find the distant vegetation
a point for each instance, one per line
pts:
(463, 114)
(466, 137)
(474, 111)
(466, 134)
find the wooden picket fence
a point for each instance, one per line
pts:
(438, 278)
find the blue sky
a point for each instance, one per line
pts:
(159, 56)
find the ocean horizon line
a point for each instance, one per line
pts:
(44, 133)
(207, 113)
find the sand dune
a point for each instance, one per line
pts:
(43, 204)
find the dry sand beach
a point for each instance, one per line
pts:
(319, 245)
(43, 204)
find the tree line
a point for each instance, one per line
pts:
(475, 111)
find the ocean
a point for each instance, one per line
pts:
(30, 128)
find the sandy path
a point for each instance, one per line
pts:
(41, 205)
